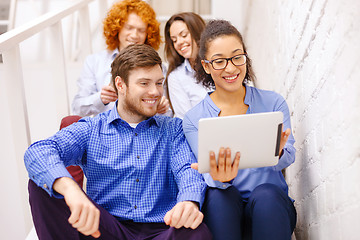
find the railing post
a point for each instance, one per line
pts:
(12, 14)
(59, 71)
(85, 32)
(103, 8)
(15, 138)
(15, 92)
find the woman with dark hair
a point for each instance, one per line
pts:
(182, 34)
(250, 203)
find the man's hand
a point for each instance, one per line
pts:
(85, 216)
(184, 214)
(108, 94)
(163, 106)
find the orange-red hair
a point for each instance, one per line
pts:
(118, 15)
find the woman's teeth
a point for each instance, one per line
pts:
(231, 78)
(183, 48)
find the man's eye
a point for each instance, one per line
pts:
(143, 83)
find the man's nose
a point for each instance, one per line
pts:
(154, 90)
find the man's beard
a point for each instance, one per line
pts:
(135, 108)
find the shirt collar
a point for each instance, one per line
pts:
(188, 66)
(114, 116)
(248, 94)
(114, 53)
(214, 109)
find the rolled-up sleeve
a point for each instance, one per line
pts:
(47, 160)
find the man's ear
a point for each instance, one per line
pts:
(119, 84)
(205, 66)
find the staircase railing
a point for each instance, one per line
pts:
(16, 134)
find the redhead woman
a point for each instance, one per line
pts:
(248, 203)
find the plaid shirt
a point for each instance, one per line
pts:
(134, 173)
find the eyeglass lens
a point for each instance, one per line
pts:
(221, 63)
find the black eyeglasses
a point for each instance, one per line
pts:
(221, 63)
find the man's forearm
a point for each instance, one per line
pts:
(65, 184)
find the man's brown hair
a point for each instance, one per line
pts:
(131, 57)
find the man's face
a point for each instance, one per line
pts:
(133, 31)
(143, 93)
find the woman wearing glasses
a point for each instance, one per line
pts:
(182, 35)
(248, 203)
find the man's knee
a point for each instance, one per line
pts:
(202, 232)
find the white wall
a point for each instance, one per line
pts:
(234, 11)
(309, 52)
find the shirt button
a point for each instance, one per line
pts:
(135, 134)
(137, 180)
(224, 186)
(45, 186)
(137, 156)
(135, 207)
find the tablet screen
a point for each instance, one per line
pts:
(255, 136)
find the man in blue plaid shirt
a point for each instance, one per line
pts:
(139, 181)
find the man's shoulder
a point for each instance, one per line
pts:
(98, 119)
(170, 125)
(167, 121)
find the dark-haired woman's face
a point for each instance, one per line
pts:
(182, 40)
(231, 77)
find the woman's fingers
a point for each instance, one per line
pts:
(228, 160)
(225, 169)
(221, 160)
(236, 162)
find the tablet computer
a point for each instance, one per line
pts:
(256, 136)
